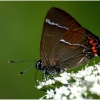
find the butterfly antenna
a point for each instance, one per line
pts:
(25, 70)
(10, 61)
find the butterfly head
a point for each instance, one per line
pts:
(48, 70)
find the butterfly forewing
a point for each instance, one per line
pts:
(63, 42)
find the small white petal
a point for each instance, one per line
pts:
(90, 78)
(95, 72)
(63, 98)
(57, 97)
(71, 96)
(50, 93)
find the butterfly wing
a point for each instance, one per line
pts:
(63, 41)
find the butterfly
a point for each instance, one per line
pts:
(64, 43)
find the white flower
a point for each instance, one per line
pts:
(95, 89)
(39, 86)
(73, 90)
(63, 98)
(50, 94)
(64, 78)
(57, 97)
(57, 90)
(88, 70)
(90, 78)
(64, 90)
(95, 72)
(80, 74)
(71, 96)
(87, 79)
(49, 82)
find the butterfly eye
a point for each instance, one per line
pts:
(39, 65)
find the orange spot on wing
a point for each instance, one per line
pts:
(91, 41)
(93, 48)
(95, 51)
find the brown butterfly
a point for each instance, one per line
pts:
(65, 43)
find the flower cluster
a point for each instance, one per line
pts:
(85, 84)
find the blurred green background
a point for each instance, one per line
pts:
(20, 32)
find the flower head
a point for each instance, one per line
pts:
(80, 85)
